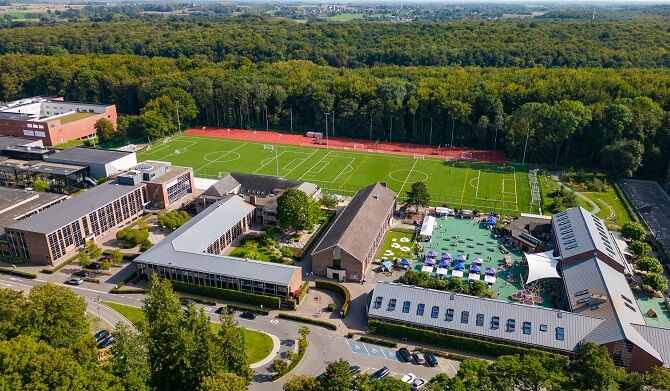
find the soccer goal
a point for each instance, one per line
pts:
(359, 146)
(177, 151)
(467, 156)
(166, 140)
(418, 157)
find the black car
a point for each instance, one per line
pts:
(226, 309)
(404, 354)
(106, 342)
(186, 302)
(381, 373)
(430, 359)
(354, 370)
(418, 360)
(94, 266)
(82, 273)
(248, 315)
(100, 335)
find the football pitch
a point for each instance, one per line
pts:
(468, 185)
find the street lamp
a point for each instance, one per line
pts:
(178, 122)
(326, 114)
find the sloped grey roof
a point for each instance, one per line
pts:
(87, 155)
(659, 337)
(74, 208)
(615, 301)
(355, 227)
(184, 248)
(575, 326)
(262, 184)
(222, 187)
(579, 232)
(9, 141)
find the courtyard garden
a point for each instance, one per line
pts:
(263, 248)
(398, 244)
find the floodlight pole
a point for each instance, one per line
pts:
(275, 148)
(291, 111)
(266, 118)
(523, 161)
(371, 130)
(430, 138)
(495, 139)
(333, 127)
(178, 122)
(326, 114)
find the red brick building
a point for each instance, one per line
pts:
(52, 120)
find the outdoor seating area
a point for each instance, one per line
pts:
(470, 250)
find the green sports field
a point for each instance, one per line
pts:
(470, 185)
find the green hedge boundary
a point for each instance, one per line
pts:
(121, 290)
(452, 356)
(339, 289)
(127, 256)
(302, 319)
(292, 365)
(17, 273)
(377, 341)
(52, 270)
(258, 310)
(444, 340)
(198, 299)
(227, 294)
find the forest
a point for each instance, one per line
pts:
(612, 118)
(638, 42)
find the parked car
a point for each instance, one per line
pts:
(186, 302)
(74, 281)
(226, 309)
(418, 384)
(417, 359)
(354, 369)
(380, 373)
(430, 359)
(248, 315)
(82, 273)
(405, 355)
(100, 335)
(409, 378)
(106, 342)
(94, 266)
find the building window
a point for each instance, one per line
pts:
(419, 309)
(405, 307)
(465, 316)
(526, 328)
(434, 312)
(560, 333)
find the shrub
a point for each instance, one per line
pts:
(316, 322)
(17, 273)
(286, 252)
(279, 365)
(116, 256)
(656, 281)
(377, 341)
(649, 264)
(227, 294)
(132, 237)
(640, 248)
(145, 245)
(172, 219)
(332, 307)
(339, 289)
(633, 230)
(442, 339)
(105, 265)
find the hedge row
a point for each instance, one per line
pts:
(377, 341)
(321, 323)
(227, 294)
(247, 308)
(198, 300)
(52, 270)
(128, 256)
(291, 304)
(442, 339)
(453, 356)
(17, 273)
(340, 290)
(121, 290)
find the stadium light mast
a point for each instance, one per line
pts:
(291, 111)
(275, 148)
(333, 127)
(523, 161)
(326, 114)
(266, 118)
(370, 125)
(178, 122)
(430, 138)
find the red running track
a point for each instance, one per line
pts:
(456, 153)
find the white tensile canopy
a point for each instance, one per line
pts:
(541, 265)
(428, 226)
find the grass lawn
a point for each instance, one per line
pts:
(612, 209)
(74, 117)
(71, 143)
(257, 344)
(346, 17)
(394, 236)
(468, 185)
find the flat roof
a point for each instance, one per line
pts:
(172, 173)
(74, 208)
(9, 141)
(87, 155)
(41, 167)
(16, 203)
(184, 248)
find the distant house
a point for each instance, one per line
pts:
(529, 233)
(347, 249)
(261, 191)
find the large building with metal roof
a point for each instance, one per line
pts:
(191, 254)
(348, 247)
(599, 305)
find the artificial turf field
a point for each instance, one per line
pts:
(470, 185)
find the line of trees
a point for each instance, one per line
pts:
(615, 119)
(638, 42)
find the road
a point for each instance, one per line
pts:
(324, 345)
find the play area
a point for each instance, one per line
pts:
(468, 249)
(486, 187)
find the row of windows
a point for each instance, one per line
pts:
(465, 317)
(180, 189)
(230, 236)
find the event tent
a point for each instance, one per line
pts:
(459, 266)
(461, 258)
(444, 263)
(477, 261)
(405, 262)
(430, 261)
(427, 227)
(491, 220)
(475, 269)
(541, 265)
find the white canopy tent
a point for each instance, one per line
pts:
(441, 211)
(541, 265)
(428, 226)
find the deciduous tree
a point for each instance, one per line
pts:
(418, 196)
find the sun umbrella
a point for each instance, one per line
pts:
(446, 256)
(491, 220)
(405, 262)
(477, 261)
(387, 265)
(431, 253)
(444, 263)
(430, 261)
(474, 269)
(489, 271)
(461, 258)
(459, 266)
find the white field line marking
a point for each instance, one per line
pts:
(267, 161)
(408, 174)
(343, 171)
(479, 177)
(314, 165)
(225, 154)
(303, 160)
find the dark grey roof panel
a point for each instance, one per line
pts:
(87, 155)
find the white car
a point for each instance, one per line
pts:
(418, 384)
(74, 281)
(409, 378)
